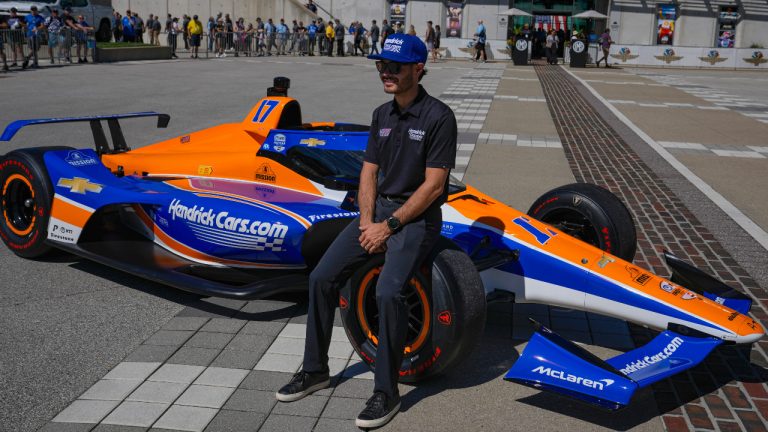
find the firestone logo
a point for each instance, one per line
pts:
(561, 375)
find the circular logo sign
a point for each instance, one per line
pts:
(578, 46)
(521, 45)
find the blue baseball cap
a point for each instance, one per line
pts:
(402, 48)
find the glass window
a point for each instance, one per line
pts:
(726, 26)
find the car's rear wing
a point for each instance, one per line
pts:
(552, 363)
(99, 137)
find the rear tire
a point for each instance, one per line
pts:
(446, 312)
(591, 214)
(26, 195)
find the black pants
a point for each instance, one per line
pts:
(552, 55)
(480, 47)
(340, 47)
(329, 42)
(405, 251)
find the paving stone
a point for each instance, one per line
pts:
(205, 396)
(310, 406)
(141, 414)
(283, 423)
(132, 370)
(335, 425)
(279, 362)
(251, 400)
(223, 325)
(203, 339)
(357, 369)
(354, 388)
(186, 418)
(336, 365)
(194, 356)
(117, 428)
(222, 377)
(169, 337)
(341, 350)
(177, 373)
(66, 427)
(289, 346)
(265, 380)
(159, 392)
(85, 411)
(343, 408)
(263, 327)
(185, 323)
(292, 330)
(236, 421)
(250, 342)
(115, 390)
(237, 359)
(151, 353)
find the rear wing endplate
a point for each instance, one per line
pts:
(99, 137)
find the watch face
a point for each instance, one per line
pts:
(393, 223)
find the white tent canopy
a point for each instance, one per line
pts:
(514, 12)
(591, 14)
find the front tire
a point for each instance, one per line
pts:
(591, 214)
(26, 194)
(446, 312)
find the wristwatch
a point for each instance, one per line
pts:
(394, 223)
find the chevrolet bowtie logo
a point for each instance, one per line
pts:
(312, 142)
(79, 185)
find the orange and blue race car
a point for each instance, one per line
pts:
(245, 210)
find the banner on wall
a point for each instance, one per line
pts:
(665, 31)
(397, 11)
(453, 20)
(551, 22)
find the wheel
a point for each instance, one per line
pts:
(25, 202)
(104, 33)
(591, 214)
(446, 312)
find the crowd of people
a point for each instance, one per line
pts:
(552, 43)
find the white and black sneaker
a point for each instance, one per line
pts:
(303, 384)
(379, 410)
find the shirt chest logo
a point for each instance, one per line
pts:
(384, 132)
(415, 134)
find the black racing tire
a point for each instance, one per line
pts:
(26, 195)
(591, 214)
(447, 311)
(104, 33)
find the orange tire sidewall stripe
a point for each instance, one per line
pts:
(10, 226)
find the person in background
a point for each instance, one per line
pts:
(210, 27)
(375, 34)
(173, 36)
(185, 31)
(229, 28)
(271, 31)
(81, 37)
(320, 37)
(312, 37)
(129, 34)
(605, 42)
(3, 29)
(437, 42)
(195, 29)
(117, 25)
(282, 37)
(53, 25)
(34, 24)
(339, 31)
(429, 38)
(330, 36)
(412, 30)
(480, 44)
(150, 25)
(139, 26)
(220, 35)
(69, 30)
(311, 6)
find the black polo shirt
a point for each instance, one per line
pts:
(404, 143)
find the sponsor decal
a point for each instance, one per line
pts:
(422, 367)
(756, 59)
(265, 146)
(393, 45)
(315, 218)
(577, 201)
(719, 300)
(561, 375)
(637, 275)
(79, 185)
(578, 46)
(646, 361)
(343, 302)
(204, 170)
(666, 286)
(279, 140)
(185, 139)
(384, 132)
(713, 56)
(278, 148)
(79, 159)
(62, 231)
(733, 316)
(687, 295)
(265, 173)
(521, 45)
(604, 261)
(269, 236)
(668, 56)
(444, 318)
(625, 54)
(416, 135)
(312, 142)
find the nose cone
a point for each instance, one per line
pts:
(750, 331)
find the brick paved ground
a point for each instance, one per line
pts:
(727, 391)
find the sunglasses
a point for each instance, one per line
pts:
(389, 67)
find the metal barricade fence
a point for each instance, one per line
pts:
(55, 47)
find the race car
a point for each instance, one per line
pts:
(245, 210)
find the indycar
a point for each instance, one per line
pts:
(245, 210)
